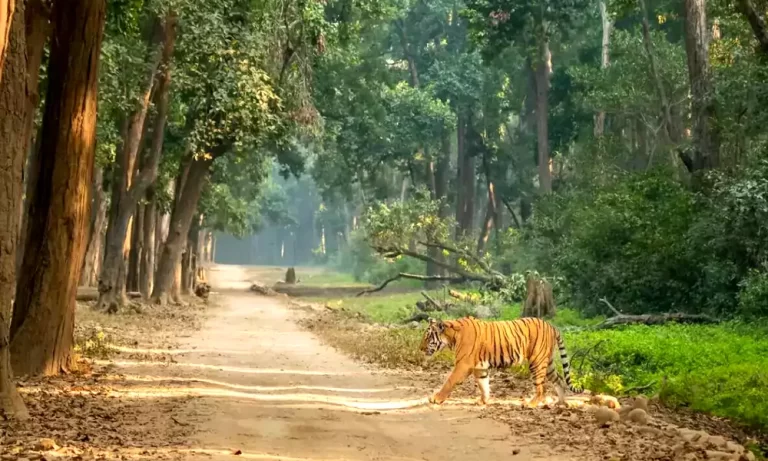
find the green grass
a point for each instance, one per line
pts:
(328, 278)
(717, 369)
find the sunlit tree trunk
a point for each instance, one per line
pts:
(13, 150)
(543, 71)
(147, 271)
(59, 212)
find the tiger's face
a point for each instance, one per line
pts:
(434, 338)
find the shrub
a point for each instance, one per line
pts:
(753, 297)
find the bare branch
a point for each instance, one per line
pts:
(404, 275)
(610, 306)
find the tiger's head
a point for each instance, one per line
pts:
(435, 338)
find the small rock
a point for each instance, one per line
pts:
(638, 415)
(734, 447)
(678, 449)
(516, 451)
(605, 416)
(641, 401)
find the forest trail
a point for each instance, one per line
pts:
(270, 389)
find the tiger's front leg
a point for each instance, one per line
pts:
(459, 374)
(484, 384)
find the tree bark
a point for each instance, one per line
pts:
(181, 218)
(128, 192)
(705, 140)
(147, 271)
(42, 340)
(189, 265)
(90, 273)
(465, 176)
(13, 150)
(604, 61)
(543, 70)
(137, 246)
(37, 30)
(7, 8)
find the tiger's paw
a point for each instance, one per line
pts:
(532, 403)
(481, 402)
(436, 399)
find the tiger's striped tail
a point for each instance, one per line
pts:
(566, 364)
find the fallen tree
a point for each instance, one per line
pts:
(620, 319)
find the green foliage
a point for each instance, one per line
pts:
(753, 297)
(714, 369)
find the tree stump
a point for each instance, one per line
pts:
(540, 301)
(290, 276)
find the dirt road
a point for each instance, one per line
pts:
(273, 391)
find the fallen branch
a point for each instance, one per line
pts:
(403, 275)
(610, 306)
(393, 252)
(419, 317)
(466, 297)
(85, 294)
(431, 300)
(655, 319)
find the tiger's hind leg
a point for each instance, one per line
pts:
(557, 381)
(484, 384)
(539, 373)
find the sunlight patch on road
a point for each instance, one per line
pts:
(151, 454)
(137, 350)
(151, 379)
(266, 371)
(164, 392)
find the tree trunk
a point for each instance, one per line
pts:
(6, 19)
(130, 192)
(13, 150)
(147, 271)
(43, 336)
(543, 70)
(37, 30)
(90, 273)
(137, 246)
(181, 218)
(189, 268)
(465, 176)
(604, 61)
(705, 142)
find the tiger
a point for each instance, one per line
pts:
(480, 345)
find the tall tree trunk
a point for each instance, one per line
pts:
(705, 139)
(465, 176)
(137, 246)
(148, 255)
(189, 266)
(37, 31)
(607, 24)
(42, 340)
(128, 192)
(181, 218)
(90, 273)
(13, 150)
(543, 70)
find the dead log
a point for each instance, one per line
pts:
(418, 317)
(256, 287)
(86, 294)
(650, 319)
(404, 275)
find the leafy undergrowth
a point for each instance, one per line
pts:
(697, 370)
(717, 369)
(76, 416)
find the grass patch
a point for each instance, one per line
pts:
(327, 278)
(717, 369)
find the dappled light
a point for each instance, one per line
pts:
(228, 369)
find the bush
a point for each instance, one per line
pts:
(650, 244)
(753, 297)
